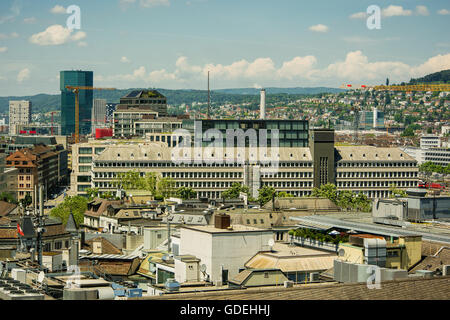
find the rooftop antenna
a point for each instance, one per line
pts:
(209, 98)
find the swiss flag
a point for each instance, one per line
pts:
(19, 230)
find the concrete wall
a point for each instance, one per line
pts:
(153, 237)
(186, 271)
(352, 254)
(229, 251)
(259, 279)
(388, 208)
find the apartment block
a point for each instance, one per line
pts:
(36, 166)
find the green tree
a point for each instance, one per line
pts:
(186, 193)
(77, 205)
(235, 190)
(328, 191)
(166, 187)
(395, 192)
(150, 182)
(7, 197)
(26, 201)
(107, 195)
(265, 194)
(284, 194)
(92, 193)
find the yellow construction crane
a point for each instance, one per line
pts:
(414, 87)
(76, 90)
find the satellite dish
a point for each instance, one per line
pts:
(341, 252)
(41, 277)
(203, 268)
(271, 243)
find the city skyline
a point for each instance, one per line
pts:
(247, 44)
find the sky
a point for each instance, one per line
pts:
(242, 43)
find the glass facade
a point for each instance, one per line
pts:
(292, 133)
(76, 78)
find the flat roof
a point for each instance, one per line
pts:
(363, 222)
(236, 228)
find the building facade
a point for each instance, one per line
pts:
(76, 78)
(138, 106)
(430, 141)
(98, 114)
(297, 170)
(19, 114)
(37, 166)
(292, 133)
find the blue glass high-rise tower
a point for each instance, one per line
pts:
(76, 78)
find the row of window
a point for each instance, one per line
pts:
(287, 175)
(377, 174)
(353, 164)
(376, 184)
(288, 184)
(131, 164)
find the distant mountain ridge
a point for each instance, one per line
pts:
(275, 90)
(43, 103)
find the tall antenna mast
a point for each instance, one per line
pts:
(209, 98)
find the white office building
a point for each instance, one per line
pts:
(19, 114)
(98, 114)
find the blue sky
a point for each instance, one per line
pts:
(246, 43)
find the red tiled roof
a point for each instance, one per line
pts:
(107, 246)
(6, 208)
(405, 289)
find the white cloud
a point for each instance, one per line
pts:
(444, 12)
(319, 28)
(56, 35)
(359, 15)
(58, 9)
(356, 67)
(297, 67)
(3, 49)
(30, 20)
(82, 44)
(125, 60)
(422, 11)
(434, 64)
(23, 75)
(80, 35)
(393, 11)
(146, 3)
(12, 35)
(154, 3)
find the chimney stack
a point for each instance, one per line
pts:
(262, 106)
